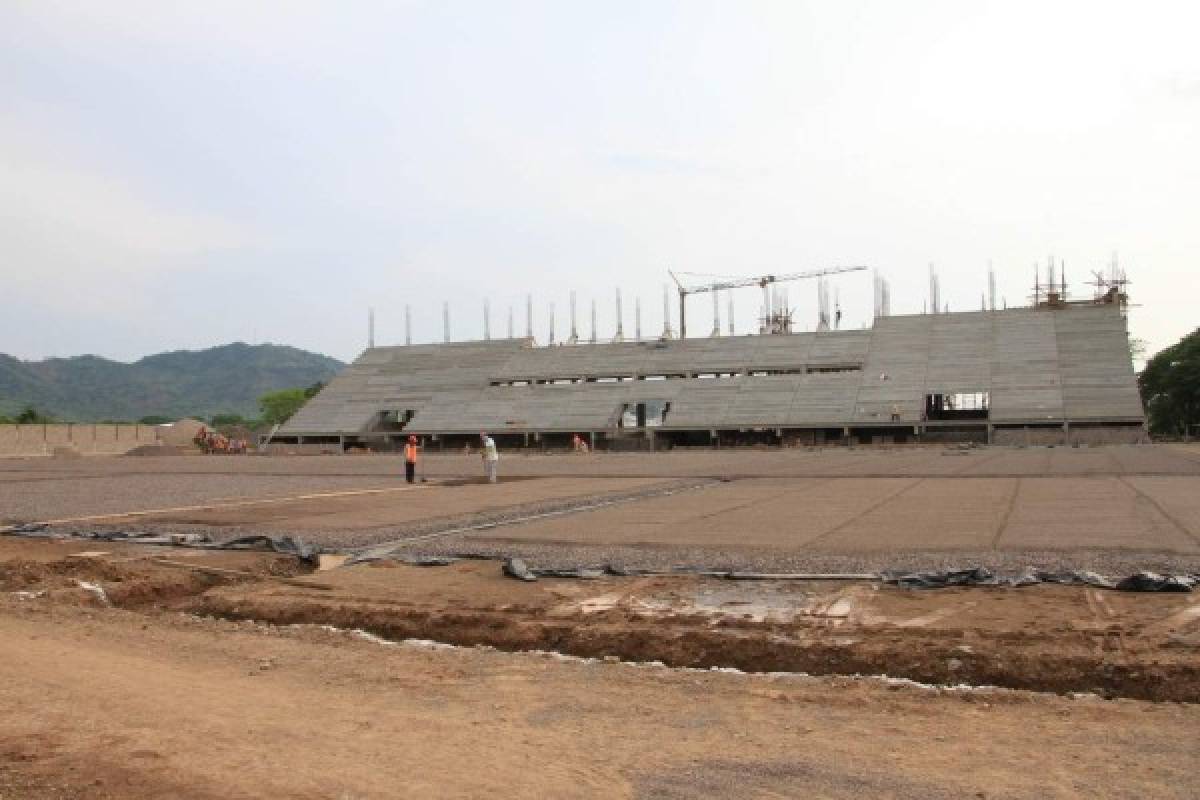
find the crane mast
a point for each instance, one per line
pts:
(762, 281)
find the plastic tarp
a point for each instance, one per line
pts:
(287, 545)
(982, 576)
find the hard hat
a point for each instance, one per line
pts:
(412, 439)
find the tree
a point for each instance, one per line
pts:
(31, 416)
(1170, 387)
(312, 391)
(278, 407)
(155, 419)
(220, 420)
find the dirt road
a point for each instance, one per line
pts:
(112, 704)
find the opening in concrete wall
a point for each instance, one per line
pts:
(957, 405)
(644, 414)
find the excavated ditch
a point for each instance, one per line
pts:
(1104, 662)
(1014, 660)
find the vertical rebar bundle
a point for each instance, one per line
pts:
(667, 332)
(528, 316)
(729, 297)
(574, 337)
(716, 330)
(593, 337)
(550, 340)
(370, 327)
(637, 319)
(487, 320)
(510, 321)
(991, 288)
(446, 322)
(407, 324)
(823, 311)
(620, 335)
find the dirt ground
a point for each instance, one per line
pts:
(147, 698)
(140, 671)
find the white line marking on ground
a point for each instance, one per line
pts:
(221, 506)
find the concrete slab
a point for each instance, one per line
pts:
(1074, 513)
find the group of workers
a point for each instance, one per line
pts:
(213, 442)
(491, 457)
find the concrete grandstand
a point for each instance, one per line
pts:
(1047, 375)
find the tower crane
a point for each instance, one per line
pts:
(762, 281)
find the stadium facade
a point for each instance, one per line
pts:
(1047, 375)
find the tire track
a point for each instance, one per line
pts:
(1002, 526)
(846, 523)
(1179, 526)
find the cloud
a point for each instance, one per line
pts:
(79, 237)
(661, 163)
(1184, 86)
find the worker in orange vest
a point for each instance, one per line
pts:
(410, 459)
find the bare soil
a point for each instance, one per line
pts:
(106, 703)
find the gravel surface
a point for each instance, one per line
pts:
(561, 556)
(338, 539)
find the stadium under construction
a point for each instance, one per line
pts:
(1055, 372)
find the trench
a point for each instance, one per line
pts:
(281, 592)
(694, 642)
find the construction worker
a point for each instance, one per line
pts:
(490, 456)
(410, 459)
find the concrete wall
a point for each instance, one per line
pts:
(1108, 435)
(89, 439)
(1078, 434)
(1029, 436)
(285, 449)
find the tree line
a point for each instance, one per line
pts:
(275, 407)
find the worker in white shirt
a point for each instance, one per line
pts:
(490, 456)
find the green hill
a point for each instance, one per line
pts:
(222, 379)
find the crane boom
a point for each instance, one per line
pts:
(761, 281)
(764, 280)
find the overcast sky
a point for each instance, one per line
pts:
(182, 175)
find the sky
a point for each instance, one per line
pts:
(182, 175)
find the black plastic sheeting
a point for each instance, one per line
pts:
(976, 576)
(981, 576)
(26, 527)
(286, 545)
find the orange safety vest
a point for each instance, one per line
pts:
(410, 453)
